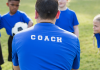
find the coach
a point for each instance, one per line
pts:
(46, 46)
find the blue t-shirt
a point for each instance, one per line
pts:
(98, 39)
(8, 21)
(45, 46)
(67, 20)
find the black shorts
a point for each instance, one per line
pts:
(1, 57)
(10, 48)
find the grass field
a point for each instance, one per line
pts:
(85, 10)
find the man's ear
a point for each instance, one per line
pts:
(7, 4)
(58, 14)
(36, 14)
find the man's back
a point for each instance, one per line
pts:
(46, 47)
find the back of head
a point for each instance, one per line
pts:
(13, 0)
(97, 18)
(47, 9)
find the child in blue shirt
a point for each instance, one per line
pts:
(10, 19)
(96, 28)
(68, 19)
(1, 57)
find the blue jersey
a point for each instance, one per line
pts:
(8, 21)
(45, 46)
(67, 20)
(98, 39)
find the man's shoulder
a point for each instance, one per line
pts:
(70, 38)
(66, 32)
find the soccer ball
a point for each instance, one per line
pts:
(19, 26)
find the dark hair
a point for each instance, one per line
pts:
(47, 9)
(13, 0)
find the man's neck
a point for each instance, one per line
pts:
(46, 20)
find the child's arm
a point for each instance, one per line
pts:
(76, 30)
(30, 23)
(16, 67)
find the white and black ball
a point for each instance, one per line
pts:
(19, 26)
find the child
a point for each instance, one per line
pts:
(1, 57)
(96, 28)
(67, 19)
(10, 19)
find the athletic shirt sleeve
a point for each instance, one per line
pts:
(14, 53)
(1, 24)
(76, 63)
(25, 18)
(98, 39)
(75, 20)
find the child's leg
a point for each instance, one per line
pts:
(0, 68)
(10, 48)
(1, 57)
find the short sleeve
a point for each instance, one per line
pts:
(1, 23)
(14, 54)
(75, 20)
(25, 18)
(76, 62)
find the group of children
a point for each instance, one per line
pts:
(67, 20)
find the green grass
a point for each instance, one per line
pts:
(85, 10)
